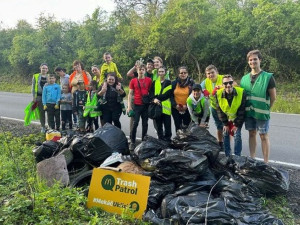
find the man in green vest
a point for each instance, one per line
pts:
(230, 106)
(213, 82)
(261, 94)
(38, 82)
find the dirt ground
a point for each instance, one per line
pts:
(293, 195)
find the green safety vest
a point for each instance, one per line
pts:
(166, 105)
(209, 87)
(156, 77)
(257, 101)
(230, 111)
(36, 78)
(197, 109)
(91, 106)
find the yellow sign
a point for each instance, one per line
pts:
(114, 191)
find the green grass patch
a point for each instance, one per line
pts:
(278, 206)
(25, 199)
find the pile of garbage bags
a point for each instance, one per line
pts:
(192, 182)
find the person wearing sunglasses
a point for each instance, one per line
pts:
(181, 89)
(261, 94)
(230, 106)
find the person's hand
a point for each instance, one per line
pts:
(56, 106)
(202, 125)
(128, 109)
(225, 129)
(156, 101)
(184, 107)
(118, 86)
(45, 107)
(178, 107)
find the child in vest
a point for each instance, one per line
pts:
(198, 106)
(66, 107)
(107, 67)
(92, 120)
(50, 98)
(79, 100)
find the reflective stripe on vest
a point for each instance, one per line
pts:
(166, 105)
(36, 78)
(209, 87)
(230, 111)
(257, 100)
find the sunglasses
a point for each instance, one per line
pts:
(229, 82)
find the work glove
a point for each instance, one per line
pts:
(56, 107)
(45, 107)
(206, 93)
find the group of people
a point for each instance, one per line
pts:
(230, 105)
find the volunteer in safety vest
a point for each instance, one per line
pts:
(38, 82)
(230, 106)
(112, 109)
(213, 82)
(160, 93)
(198, 106)
(261, 94)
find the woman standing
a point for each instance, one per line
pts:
(160, 94)
(181, 89)
(79, 74)
(95, 70)
(112, 109)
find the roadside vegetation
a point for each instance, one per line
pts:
(25, 199)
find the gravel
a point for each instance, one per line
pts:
(293, 195)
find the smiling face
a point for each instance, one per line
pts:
(228, 84)
(111, 80)
(183, 73)
(44, 69)
(161, 73)
(196, 93)
(149, 66)
(211, 74)
(107, 58)
(65, 89)
(157, 63)
(254, 62)
(52, 79)
(95, 71)
(77, 68)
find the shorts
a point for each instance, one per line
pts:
(218, 122)
(254, 124)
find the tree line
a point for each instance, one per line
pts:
(194, 33)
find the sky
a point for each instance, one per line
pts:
(29, 10)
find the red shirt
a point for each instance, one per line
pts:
(145, 84)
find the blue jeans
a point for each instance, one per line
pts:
(237, 143)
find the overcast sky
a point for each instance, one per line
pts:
(13, 10)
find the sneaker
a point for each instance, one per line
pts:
(132, 146)
(43, 130)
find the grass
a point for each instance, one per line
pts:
(278, 206)
(25, 199)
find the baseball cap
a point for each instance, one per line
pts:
(197, 86)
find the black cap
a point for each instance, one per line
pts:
(57, 69)
(150, 61)
(197, 86)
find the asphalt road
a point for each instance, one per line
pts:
(284, 128)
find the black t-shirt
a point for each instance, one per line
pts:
(271, 84)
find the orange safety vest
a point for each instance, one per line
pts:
(85, 79)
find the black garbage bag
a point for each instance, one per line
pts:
(198, 139)
(151, 216)
(113, 137)
(193, 209)
(204, 183)
(268, 179)
(151, 147)
(259, 218)
(158, 190)
(92, 148)
(180, 166)
(67, 139)
(46, 150)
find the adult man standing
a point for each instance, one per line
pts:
(231, 111)
(261, 94)
(213, 82)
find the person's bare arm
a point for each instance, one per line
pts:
(272, 93)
